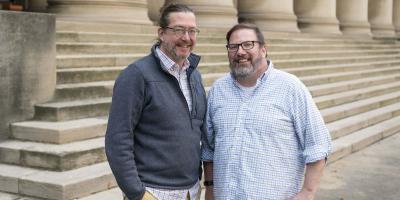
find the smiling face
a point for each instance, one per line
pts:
(174, 46)
(247, 64)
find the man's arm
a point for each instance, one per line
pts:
(208, 178)
(126, 106)
(312, 178)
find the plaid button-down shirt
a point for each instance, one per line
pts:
(261, 139)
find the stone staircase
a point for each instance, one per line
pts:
(60, 153)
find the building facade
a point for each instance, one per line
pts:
(350, 17)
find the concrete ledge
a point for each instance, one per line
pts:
(27, 64)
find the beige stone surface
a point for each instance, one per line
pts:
(59, 132)
(380, 15)
(396, 16)
(269, 15)
(127, 11)
(317, 16)
(353, 16)
(27, 65)
(211, 13)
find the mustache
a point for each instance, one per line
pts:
(237, 59)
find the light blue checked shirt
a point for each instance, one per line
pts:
(259, 143)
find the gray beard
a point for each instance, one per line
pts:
(241, 73)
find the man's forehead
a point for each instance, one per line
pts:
(242, 35)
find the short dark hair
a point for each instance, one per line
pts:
(163, 22)
(253, 27)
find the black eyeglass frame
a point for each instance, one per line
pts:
(177, 29)
(236, 47)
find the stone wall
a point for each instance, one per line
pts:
(27, 65)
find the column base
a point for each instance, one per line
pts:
(318, 25)
(382, 30)
(271, 22)
(355, 28)
(129, 11)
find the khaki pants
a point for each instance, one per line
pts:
(149, 196)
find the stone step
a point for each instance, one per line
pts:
(70, 110)
(318, 47)
(325, 89)
(345, 76)
(330, 53)
(73, 36)
(315, 67)
(122, 48)
(219, 67)
(103, 27)
(351, 66)
(66, 185)
(61, 111)
(96, 60)
(53, 157)
(112, 28)
(349, 109)
(59, 132)
(212, 73)
(346, 126)
(76, 91)
(348, 96)
(361, 139)
(91, 74)
(333, 60)
(68, 48)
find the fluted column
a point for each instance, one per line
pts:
(380, 15)
(396, 16)
(269, 15)
(153, 7)
(353, 16)
(212, 13)
(120, 11)
(317, 16)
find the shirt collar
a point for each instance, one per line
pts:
(168, 64)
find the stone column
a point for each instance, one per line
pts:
(120, 11)
(153, 7)
(396, 16)
(270, 15)
(380, 15)
(353, 16)
(317, 16)
(212, 13)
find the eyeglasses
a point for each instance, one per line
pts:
(247, 45)
(181, 31)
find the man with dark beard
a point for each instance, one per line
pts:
(264, 129)
(156, 118)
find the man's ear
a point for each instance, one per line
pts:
(264, 50)
(160, 33)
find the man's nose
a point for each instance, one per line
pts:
(186, 36)
(240, 50)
